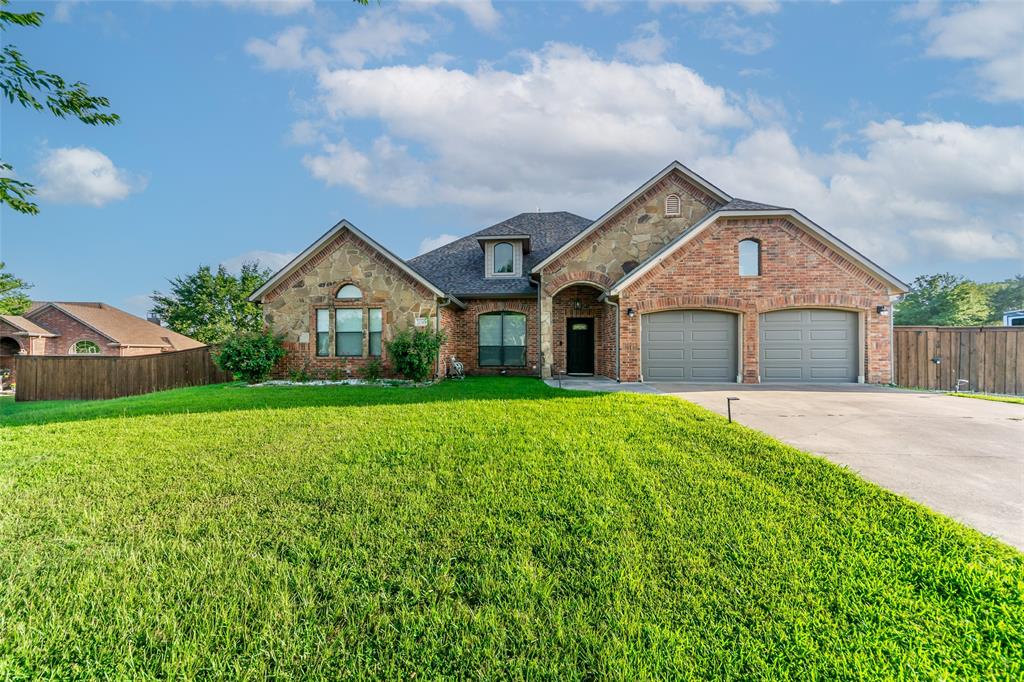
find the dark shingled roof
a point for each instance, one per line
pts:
(458, 267)
(744, 205)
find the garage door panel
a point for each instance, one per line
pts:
(689, 345)
(809, 345)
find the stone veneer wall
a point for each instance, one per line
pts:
(797, 271)
(289, 308)
(628, 238)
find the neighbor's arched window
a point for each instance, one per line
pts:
(672, 205)
(85, 348)
(750, 258)
(504, 258)
(502, 341)
(349, 291)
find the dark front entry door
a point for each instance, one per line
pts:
(579, 346)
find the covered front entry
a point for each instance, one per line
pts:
(689, 345)
(809, 345)
(579, 345)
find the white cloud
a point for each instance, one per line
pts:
(80, 175)
(480, 13)
(274, 7)
(602, 6)
(933, 189)
(268, 259)
(991, 34)
(431, 243)
(648, 45)
(738, 37)
(696, 6)
(567, 126)
(376, 36)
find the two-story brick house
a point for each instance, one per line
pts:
(678, 281)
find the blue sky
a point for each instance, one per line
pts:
(249, 128)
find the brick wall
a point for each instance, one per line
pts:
(71, 332)
(797, 270)
(564, 307)
(464, 333)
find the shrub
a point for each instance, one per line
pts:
(300, 376)
(372, 371)
(338, 374)
(250, 356)
(414, 353)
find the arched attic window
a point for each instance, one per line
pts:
(750, 258)
(504, 258)
(85, 348)
(673, 205)
(349, 291)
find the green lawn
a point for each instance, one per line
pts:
(492, 528)
(995, 398)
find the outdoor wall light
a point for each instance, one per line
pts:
(882, 310)
(937, 360)
(577, 304)
(630, 313)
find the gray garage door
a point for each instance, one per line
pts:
(689, 345)
(809, 345)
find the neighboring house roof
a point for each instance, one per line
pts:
(896, 286)
(458, 267)
(675, 166)
(25, 326)
(123, 328)
(296, 262)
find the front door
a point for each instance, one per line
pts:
(579, 346)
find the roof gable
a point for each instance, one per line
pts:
(314, 248)
(119, 326)
(26, 326)
(675, 167)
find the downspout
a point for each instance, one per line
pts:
(540, 322)
(618, 346)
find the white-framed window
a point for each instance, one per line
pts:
(349, 292)
(503, 259)
(673, 205)
(323, 332)
(85, 348)
(348, 332)
(376, 324)
(750, 258)
(502, 340)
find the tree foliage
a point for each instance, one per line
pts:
(250, 355)
(212, 306)
(40, 90)
(950, 300)
(414, 352)
(14, 298)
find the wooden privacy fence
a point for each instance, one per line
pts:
(991, 359)
(48, 377)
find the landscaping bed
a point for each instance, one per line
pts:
(486, 528)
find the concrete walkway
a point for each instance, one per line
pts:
(961, 457)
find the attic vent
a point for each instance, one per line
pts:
(629, 266)
(672, 205)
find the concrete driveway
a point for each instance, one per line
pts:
(961, 457)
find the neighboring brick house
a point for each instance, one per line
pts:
(67, 328)
(677, 282)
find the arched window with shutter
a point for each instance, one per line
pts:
(672, 205)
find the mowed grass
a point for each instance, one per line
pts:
(491, 528)
(995, 398)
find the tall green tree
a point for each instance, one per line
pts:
(943, 299)
(212, 305)
(40, 90)
(1007, 295)
(14, 298)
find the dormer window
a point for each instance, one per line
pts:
(504, 258)
(350, 292)
(672, 205)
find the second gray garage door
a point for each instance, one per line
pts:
(689, 345)
(809, 346)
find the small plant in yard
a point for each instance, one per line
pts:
(301, 375)
(372, 371)
(250, 356)
(414, 352)
(338, 374)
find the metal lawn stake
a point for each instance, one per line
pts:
(728, 407)
(956, 389)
